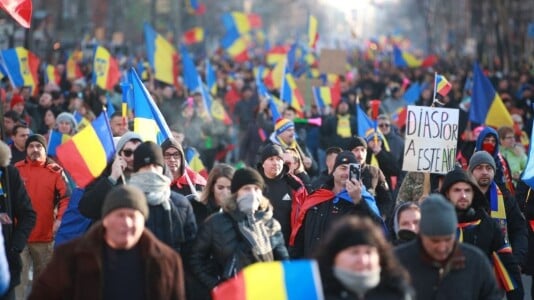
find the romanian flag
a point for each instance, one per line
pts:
(20, 10)
(52, 75)
(106, 73)
(80, 120)
(405, 59)
(236, 46)
(313, 34)
(364, 122)
(263, 92)
(162, 56)
(413, 93)
(237, 22)
(193, 35)
(215, 108)
(21, 67)
(194, 7)
(88, 152)
(326, 96)
(287, 280)
(442, 85)
(189, 70)
(193, 161)
(290, 94)
(55, 139)
(148, 121)
(211, 78)
(504, 279)
(275, 55)
(528, 174)
(486, 105)
(72, 67)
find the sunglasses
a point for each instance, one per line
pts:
(127, 152)
(384, 125)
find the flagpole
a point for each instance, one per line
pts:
(435, 86)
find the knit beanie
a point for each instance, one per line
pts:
(282, 125)
(271, 150)
(357, 141)
(125, 138)
(16, 99)
(35, 138)
(246, 176)
(438, 217)
(345, 157)
(147, 153)
(125, 196)
(481, 157)
(67, 117)
(348, 236)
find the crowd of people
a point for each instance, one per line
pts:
(270, 190)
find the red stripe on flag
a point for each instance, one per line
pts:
(232, 289)
(78, 168)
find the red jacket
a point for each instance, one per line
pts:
(46, 185)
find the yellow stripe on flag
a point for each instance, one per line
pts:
(265, 279)
(147, 129)
(498, 115)
(85, 142)
(163, 60)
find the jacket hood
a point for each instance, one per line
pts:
(459, 175)
(483, 134)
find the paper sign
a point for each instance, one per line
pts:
(431, 139)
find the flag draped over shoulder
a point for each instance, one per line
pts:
(288, 280)
(148, 120)
(162, 56)
(486, 105)
(88, 152)
(106, 72)
(21, 67)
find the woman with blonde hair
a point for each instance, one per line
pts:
(244, 232)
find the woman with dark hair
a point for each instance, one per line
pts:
(356, 262)
(216, 190)
(245, 232)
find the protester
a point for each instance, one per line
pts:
(406, 221)
(118, 258)
(356, 262)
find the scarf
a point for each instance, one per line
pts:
(252, 228)
(498, 210)
(507, 174)
(357, 282)
(155, 186)
(465, 226)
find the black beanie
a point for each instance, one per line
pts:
(357, 141)
(125, 196)
(271, 150)
(345, 157)
(246, 176)
(35, 138)
(147, 153)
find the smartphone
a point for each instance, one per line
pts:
(355, 171)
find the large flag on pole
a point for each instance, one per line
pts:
(162, 56)
(21, 66)
(106, 72)
(88, 152)
(148, 120)
(486, 105)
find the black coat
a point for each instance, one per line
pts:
(217, 241)
(93, 197)
(19, 208)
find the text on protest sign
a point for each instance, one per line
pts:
(431, 139)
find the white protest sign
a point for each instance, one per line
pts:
(431, 139)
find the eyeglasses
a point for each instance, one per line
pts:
(384, 125)
(175, 155)
(127, 152)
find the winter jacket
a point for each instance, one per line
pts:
(47, 187)
(19, 208)
(76, 271)
(314, 221)
(93, 198)
(218, 240)
(467, 274)
(388, 289)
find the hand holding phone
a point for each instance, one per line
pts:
(355, 172)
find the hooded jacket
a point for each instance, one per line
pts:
(503, 175)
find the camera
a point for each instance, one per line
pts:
(355, 171)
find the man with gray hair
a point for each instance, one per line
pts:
(441, 267)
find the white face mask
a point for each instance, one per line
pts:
(249, 203)
(357, 282)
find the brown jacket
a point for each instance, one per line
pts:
(75, 271)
